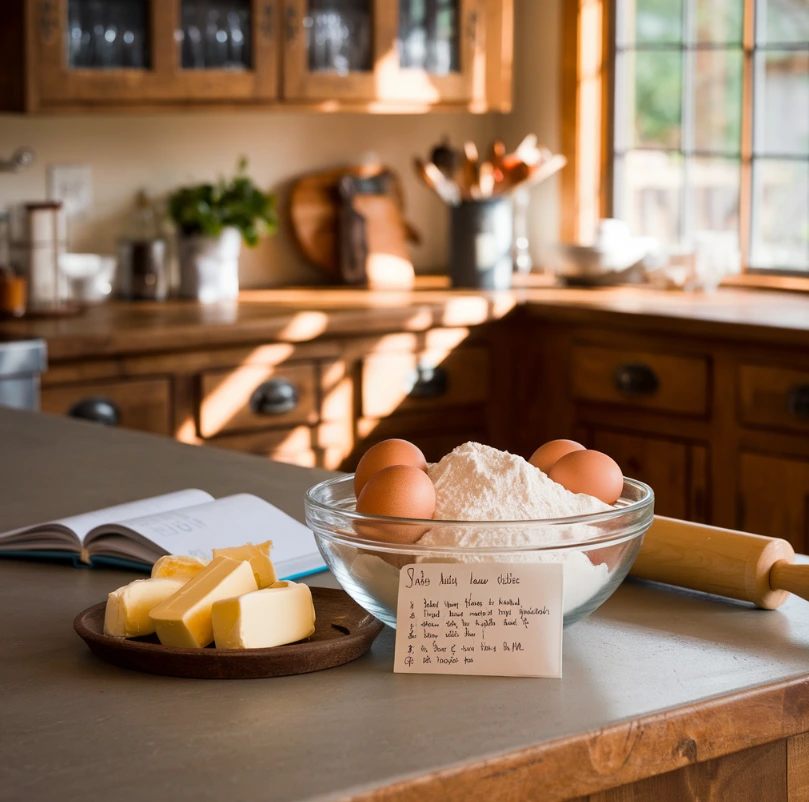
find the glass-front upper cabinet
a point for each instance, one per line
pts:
(114, 52)
(423, 51)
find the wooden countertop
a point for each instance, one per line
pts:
(297, 315)
(655, 680)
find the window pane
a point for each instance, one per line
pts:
(111, 34)
(338, 36)
(720, 21)
(652, 102)
(648, 192)
(215, 34)
(780, 215)
(782, 21)
(718, 100)
(650, 21)
(714, 194)
(429, 37)
(782, 103)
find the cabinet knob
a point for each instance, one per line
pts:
(274, 397)
(97, 409)
(635, 380)
(798, 401)
(426, 382)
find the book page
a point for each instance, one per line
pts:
(81, 525)
(230, 521)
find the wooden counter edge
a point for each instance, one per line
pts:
(624, 753)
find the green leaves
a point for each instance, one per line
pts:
(208, 208)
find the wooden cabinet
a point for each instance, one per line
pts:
(675, 470)
(774, 498)
(774, 396)
(646, 379)
(139, 404)
(129, 52)
(369, 55)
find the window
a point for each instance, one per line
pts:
(710, 124)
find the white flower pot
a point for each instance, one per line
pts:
(209, 266)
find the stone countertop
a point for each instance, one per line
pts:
(654, 680)
(305, 314)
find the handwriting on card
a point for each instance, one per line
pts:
(488, 618)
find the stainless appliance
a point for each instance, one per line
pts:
(21, 363)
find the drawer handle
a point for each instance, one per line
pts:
(635, 380)
(97, 409)
(426, 382)
(798, 401)
(274, 397)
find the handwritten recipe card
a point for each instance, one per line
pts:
(498, 619)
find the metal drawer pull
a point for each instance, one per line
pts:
(274, 397)
(635, 380)
(798, 401)
(97, 409)
(424, 382)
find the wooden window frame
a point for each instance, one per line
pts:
(587, 124)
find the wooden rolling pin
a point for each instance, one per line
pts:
(751, 568)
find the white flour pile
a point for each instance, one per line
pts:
(479, 483)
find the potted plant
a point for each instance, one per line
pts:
(212, 220)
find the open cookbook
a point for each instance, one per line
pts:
(186, 522)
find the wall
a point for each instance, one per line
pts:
(537, 55)
(158, 152)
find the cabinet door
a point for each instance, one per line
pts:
(334, 48)
(774, 498)
(94, 52)
(439, 55)
(118, 52)
(676, 471)
(226, 50)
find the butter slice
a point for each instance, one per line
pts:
(258, 556)
(128, 608)
(185, 618)
(269, 617)
(176, 566)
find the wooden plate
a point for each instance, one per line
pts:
(343, 632)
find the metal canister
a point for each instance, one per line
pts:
(143, 269)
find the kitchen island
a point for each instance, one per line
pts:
(670, 691)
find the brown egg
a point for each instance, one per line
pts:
(589, 472)
(545, 457)
(400, 491)
(383, 455)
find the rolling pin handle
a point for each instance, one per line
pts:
(790, 577)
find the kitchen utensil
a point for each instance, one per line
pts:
(369, 569)
(469, 170)
(314, 204)
(446, 158)
(724, 562)
(486, 181)
(91, 277)
(436, 180)
(497, 152)
(343, 632)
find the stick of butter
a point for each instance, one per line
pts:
(177, 566)
(185, 618)
(128, 608)
(269, 617)
(257, 556)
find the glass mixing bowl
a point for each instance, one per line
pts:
(596, 550)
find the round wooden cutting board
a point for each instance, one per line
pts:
(343, 632)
